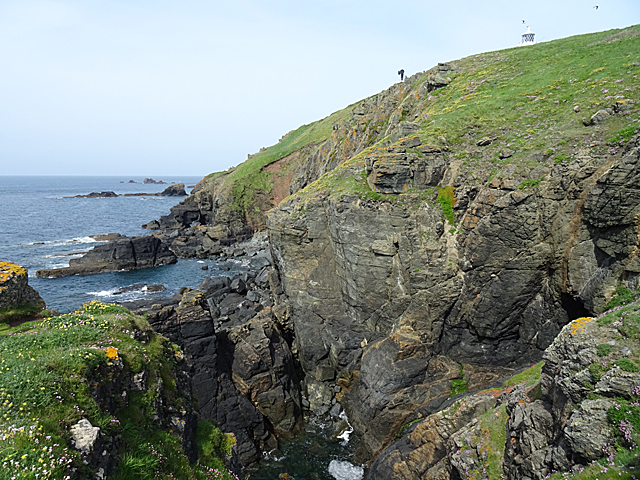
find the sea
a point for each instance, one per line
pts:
(43, 229)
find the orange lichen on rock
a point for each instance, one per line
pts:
(8, 270)
(579, 324)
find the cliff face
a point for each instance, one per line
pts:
(440, 234)
(382, 288)
(403, 266)
(561, 416)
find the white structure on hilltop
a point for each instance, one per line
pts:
(528, 38)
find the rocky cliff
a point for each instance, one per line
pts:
(440, 235)
(574, 417)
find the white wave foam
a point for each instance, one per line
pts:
(344, 436)
(70, 241)
(341, 470)
(200, 261)
(103, 293)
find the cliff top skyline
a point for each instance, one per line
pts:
(193, 87)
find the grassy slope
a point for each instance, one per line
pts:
(524, 99)
(47, 370)
(244, 179)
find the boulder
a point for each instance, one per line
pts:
(484, 141)
(506, 153)
(598, 117)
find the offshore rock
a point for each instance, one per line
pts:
(123, 253)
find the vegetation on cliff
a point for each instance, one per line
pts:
(105, 365)
(516, 109)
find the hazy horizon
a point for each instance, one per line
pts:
(190, 88)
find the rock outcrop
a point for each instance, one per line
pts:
(238, 352)
(122, 253)
(15, 290)
(389, 272)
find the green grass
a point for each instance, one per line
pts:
(247, 178)
(49, 373)
(10, 315)
(529, 377)
(446, 199)
(525, 107)
(621, 296)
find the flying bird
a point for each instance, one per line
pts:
(596, 6)
(523, 21)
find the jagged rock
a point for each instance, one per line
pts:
(123, 253)
(175, 190)
(418, 453)
(151, 181)
(588, 430)
(394, 170)
(238, 286)
(15, 290)
(563, 429)
(152, 225)
(263, 371)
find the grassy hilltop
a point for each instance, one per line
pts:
(526, 99)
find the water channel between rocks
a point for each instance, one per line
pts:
(313, 454)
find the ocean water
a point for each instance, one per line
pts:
(41, 229)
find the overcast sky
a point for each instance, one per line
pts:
(191, 87)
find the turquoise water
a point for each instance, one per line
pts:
(40, 228)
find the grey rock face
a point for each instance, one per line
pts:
(241, 367)
(123, 253)
(563, 428)
(397, 169)
(355, 269)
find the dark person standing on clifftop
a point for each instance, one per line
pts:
(401, 73)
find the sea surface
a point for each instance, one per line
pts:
(41, 229)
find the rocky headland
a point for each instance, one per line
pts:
(427, 244)
(421, 248)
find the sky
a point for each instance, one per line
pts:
(189, 87)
